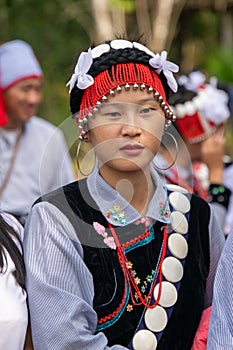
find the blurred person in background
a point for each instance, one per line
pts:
(202, 110)
(34, 158)
(221, 322)
(13, 301)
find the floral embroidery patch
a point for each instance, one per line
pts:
(116, 214)
(129, 307)
(108, 240)
(164, 213)
(146, 221)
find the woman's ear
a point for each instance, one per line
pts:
(86, 137)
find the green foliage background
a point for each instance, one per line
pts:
(59, 29)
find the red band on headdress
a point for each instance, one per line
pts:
(194, 128)
(122, 74)
(3, 117)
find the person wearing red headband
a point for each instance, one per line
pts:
(202, 110)
(31, 149)
(120, 260)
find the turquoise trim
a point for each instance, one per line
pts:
(116, 318)
(142, 242)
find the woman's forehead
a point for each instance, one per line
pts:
(135, 97)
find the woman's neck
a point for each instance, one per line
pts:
(136, 187)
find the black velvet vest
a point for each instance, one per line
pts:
(76, 203)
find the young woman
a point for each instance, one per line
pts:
(118, 260)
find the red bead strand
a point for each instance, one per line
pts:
(129, 275)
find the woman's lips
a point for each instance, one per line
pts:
(132, 150)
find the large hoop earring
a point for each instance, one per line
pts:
(86, 156)
(176, 154)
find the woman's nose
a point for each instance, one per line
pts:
(131, 127)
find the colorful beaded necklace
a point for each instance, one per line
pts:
(129, 274)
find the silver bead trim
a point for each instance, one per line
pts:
(169, 115)
(104, 99)
(127, 87)
(150, 89)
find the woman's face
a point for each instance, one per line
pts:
(22, 100)
(126, 131)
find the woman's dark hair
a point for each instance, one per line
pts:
(7, 242)
(105, 62)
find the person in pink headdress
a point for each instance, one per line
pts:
(118, 259)
(31, 149)
(202, 111)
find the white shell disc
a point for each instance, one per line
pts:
(178, 245)
(177, 188)
(99, 50)
(179, 202)
(144, 339)
(156, 319)
(172, 269)
(168, 295)
(179, 222)
(120, 44)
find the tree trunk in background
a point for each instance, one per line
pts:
(177, 10)
(103, 20)
(161, 24)
(143, 19)
(118, 22)
(227, 31)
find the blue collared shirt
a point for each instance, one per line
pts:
(106, 198)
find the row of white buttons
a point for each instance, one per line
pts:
(172, 269)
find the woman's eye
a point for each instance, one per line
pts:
(112, 114)
(25, 88)
(146, 110)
